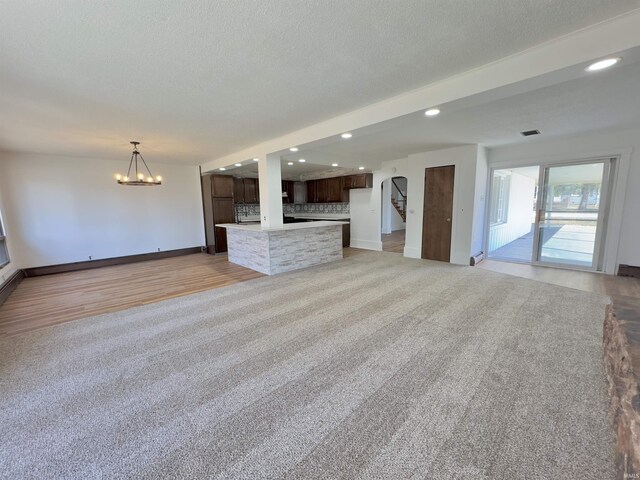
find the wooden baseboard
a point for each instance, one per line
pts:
(106, 262)
(629, 271)
(10, 285)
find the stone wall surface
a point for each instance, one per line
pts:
(278, 251)
(621, 340)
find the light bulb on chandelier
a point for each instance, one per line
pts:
(139, 179)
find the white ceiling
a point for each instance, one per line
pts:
(297, 171)
(194, 80)
(604, 100)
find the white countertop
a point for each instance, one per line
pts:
(256, 227)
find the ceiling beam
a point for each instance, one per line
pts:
(533, 66)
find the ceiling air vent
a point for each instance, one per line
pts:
(528, 133)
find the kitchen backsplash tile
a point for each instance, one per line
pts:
(253, 209)
(248, 210)
(316, 208)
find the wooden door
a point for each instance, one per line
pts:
(438, 213)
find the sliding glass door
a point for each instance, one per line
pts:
(571, 214)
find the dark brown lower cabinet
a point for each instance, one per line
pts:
(346, 235)
(223, 212)
(221, 239)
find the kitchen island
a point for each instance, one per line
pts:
(282, 249)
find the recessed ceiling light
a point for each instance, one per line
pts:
(293, 149)
(360, 168)
(238, 164)
(289, 163)
(602, 64)
(334, 164)
(256, 159)
(346, 135)
(302, 160)
(222, 169)
(432, 112)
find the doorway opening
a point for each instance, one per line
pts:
(550, 215)
(514, 193)
(394, 214)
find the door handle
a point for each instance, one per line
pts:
(449, 219)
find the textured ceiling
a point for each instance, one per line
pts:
(197, 79)
(604, 100)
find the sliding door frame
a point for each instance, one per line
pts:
(603, 213)
(617, 187)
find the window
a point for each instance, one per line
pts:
(4, 256)
(500, 198)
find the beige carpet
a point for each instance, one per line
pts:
(376, 366)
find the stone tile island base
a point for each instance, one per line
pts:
(291, 247)
(622, 365)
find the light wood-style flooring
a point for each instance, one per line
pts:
(393, 242)
(49, 300)
(586, 281)
(52, 299)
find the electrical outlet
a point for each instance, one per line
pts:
(158, 248)
(89, 257)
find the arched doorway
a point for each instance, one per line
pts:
(394, 214)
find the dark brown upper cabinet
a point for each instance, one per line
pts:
(334, 189)
(222, 186)
(360, 180)
(312, 191)
(238, 190)
(288, 186)
(251, 193)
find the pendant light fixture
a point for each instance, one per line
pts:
(139, 178)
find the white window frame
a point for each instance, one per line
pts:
(3, 245)
(502, 202)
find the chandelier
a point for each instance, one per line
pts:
(139, 178)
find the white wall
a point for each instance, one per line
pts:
(468, 201)
(468, 205)
(386, 207)
(519, 213)
(60, 209)
(366, 204)
(479, 201)
(625, 210)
